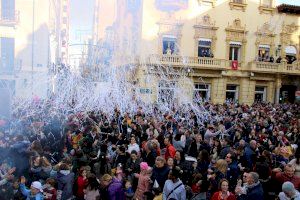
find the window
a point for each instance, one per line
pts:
(264, 53)
(169, 45)
(201, 92)
(238, 1)
(291, 53)
(232, 93)
(166, 91)
(260, 93)
(7, 54)
(8, 9)
(267, 3)
(204, 48)
(235, 51)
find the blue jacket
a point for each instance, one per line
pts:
(249, 154)
(253, 193)
(65, 180)
(233, 174)
(27, 194)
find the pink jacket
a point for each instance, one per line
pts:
(143, 185)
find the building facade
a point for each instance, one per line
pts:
(237, 50)
(32, 39)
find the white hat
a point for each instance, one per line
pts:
(37, 185)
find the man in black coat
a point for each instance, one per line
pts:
(254, 190)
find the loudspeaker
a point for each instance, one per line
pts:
(5, 103)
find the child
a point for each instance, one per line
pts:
(144, 181)
(35, 191)
(128, 190)
(50, 192)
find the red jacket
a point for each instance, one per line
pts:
(217, 196)
(81, 183)
(281, 177)
(170, 152)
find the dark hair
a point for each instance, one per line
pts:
(177, 137)
(176, 172)
(51, 181)
(204, 155)
(64, 166)
(134, 152)
(93, 183)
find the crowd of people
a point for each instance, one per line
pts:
(240, 152)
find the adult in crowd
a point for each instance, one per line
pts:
(224, 191)
(174, 188)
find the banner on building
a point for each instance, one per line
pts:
(234, 65)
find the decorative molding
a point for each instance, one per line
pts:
(286, 38)
(266, 8)
(265, 35)
(289, 29)
(205, 28)
(205, 2)
(236, 32)
(169, 26)
(238, 5)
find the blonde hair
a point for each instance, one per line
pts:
(106, 177)
(222, 165)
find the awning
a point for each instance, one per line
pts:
(264, 46)
(290, 50)
(170, 36)
(205, 39)
(236, 43)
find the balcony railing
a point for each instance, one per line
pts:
(197, 62)
(282, 68)
(292, 68)
(9, 18)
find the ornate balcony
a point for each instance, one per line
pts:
(281, 68)
(9, 18)
(238, 4)
(292, 68)
(194, 62)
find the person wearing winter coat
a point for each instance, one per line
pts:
(160, 172)
(65, 180)
(81, 183)
(114, 188)
(254, 190)
(144, 181)
(34, 193)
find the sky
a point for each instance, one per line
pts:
(293, 2)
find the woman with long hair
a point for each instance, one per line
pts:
(92, 188)
(219, 173)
